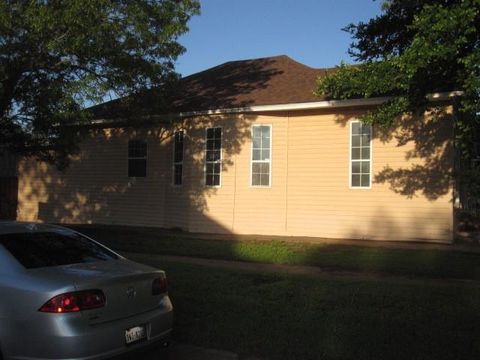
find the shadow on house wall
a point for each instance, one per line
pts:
(96, 188)
(430, 154)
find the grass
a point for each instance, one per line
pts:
(416, 263)
(291, 317)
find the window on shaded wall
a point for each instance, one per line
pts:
(213, 157)
(137, 158)
(261, 155)
(360, 155)
(178, 158)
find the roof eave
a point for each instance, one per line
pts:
(434, 97)
(290, 107)
(325, 104)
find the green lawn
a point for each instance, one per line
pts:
(418, 263)
(295, 317)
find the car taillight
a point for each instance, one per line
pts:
(159, 286)
(75, 301)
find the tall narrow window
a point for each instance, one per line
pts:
(261, 155)
(213, 166)
(360, 155)
(178, 158)
(137, 158)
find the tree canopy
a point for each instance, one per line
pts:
(57, 57)
(412, 49)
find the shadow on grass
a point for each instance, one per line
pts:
(281, 316)
(288, 317)
(429, 263)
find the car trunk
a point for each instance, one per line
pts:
(127, 286)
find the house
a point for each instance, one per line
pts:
(247, 148)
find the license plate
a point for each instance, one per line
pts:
(134, 334)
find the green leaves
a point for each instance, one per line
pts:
(416, 47)
(366, 80)
(386, 113)
(412, 49)
(58, 57)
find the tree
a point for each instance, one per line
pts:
(413, 48)
(57, 57)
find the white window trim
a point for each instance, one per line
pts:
(137, 158)
(350, 159)
(252, 161)
(220, 161)
(173, 158)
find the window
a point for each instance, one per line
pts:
(137, 158)
(178, 158)
(261, 155)
(360, 155)
(45, 249)
(213, 167)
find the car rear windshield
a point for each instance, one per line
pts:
(44, 249)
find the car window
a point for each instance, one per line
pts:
(43, 249)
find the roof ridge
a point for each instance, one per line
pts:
(283, 56)
(260, 58)
(233, 62)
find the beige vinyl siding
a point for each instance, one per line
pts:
(309, 194)
(96, 188)
(213, 210)
(262, 210)
(320, 200)
(177, 197)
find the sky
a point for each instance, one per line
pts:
(309, 31)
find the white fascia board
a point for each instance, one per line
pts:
(326, 104)
(290, 107)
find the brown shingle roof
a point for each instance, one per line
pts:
(237, 84)
(265, 81)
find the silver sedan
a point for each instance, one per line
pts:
(65, 296)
